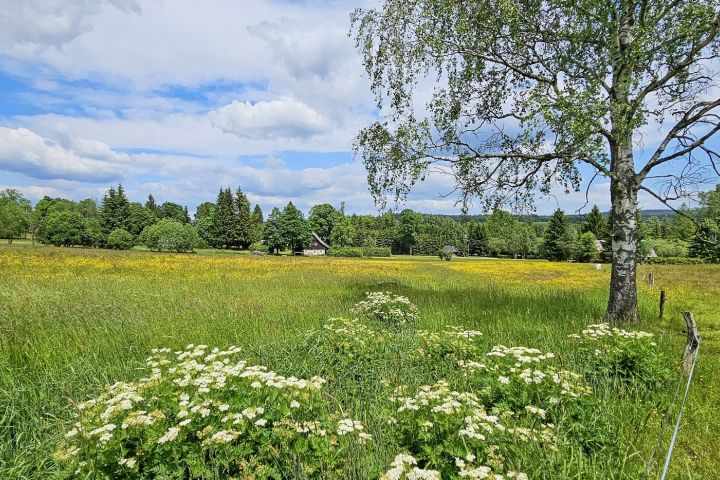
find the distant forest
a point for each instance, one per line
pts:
(231, 222)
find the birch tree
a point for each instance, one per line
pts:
(529, 90)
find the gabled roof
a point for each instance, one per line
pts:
(320, 240)
(450, 249)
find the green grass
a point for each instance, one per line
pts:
(72, 320)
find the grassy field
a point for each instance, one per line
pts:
(73, 320)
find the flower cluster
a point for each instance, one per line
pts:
(611, 353)
(454, 343)
(350, 340)
(200, 406)
(392, 310)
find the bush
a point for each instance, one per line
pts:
(584, 249)
(345, 252)
(675, 261)
(259, 247)
(629, 357)
(376, 251)
(391, 310)
(203, 413)
(120, 239)
(359, 252)
(664, 248)
(64, 229)
(170, 235)
(443, 255)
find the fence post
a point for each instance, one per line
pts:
(662, 303)
(651, 279)
(693, 340)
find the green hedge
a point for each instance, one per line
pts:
(676, 261)
(359, 252)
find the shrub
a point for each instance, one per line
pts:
(170, 235)
(664, 248)
(376, 251)
(64, 228)
(630, 357)
(388, 309)
(259, 247)
(676, 261)
(208, 414)
(345, 252)
(584, 249)
(120, 239)
(443, 255)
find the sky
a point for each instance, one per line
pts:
(178, 98)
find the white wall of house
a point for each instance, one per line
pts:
(309, 252)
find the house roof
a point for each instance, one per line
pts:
(320, 240)
(450, 249)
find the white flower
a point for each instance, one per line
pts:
(504, 380)
(170, 435)
(294, 404)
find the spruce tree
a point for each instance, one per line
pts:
(150, 204)
(256, 224)
(114, 213)
(244, 219)
(294, 228)
(223, 230)
(558, 239)
(273, 233)
(596, 224)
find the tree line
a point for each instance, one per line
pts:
(231, 223)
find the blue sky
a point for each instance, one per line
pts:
(179, 98)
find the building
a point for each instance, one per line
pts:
(452, 249)
(317, 246)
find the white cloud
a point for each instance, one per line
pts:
(30, 26)
(283, 118)
(24, 151)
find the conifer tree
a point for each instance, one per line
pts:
(558, 239)
(596, 224)
(114, 213)
(256, 224)
(223, 230)
(244, 219)
(150, 204)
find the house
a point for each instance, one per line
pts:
(451, 249)
(599, 246)
(317, 246)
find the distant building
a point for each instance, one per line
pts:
(317, 246)
(451, 249)
(599, 246)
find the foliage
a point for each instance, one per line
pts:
(664, 248)
(114, 212)
(596, 224)
(356, 252)
(443, 255)
(706, 241)
(223, 230)
(273, 233)
(201, 413)
(259, 247)
(120, 239)
(390, 310)
(675, 261)
(343, 231)
(173, 211)
(322, 219)
(557, 243)
(169, 235)
(376, 252)
(294, 228)
(630, 357)
(14, 214)
(139, 217)
(64, 228)
(584, 249)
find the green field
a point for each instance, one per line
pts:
(73, 320)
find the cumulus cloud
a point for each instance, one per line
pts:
(282, 118)
(32, 25)
(24, 151)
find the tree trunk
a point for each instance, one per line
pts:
(622, 305)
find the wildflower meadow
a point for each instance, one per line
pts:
(140, 365)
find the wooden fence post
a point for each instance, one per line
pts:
(693, 340)
(662, 303)
(651, 279)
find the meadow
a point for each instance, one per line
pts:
(75, 320)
